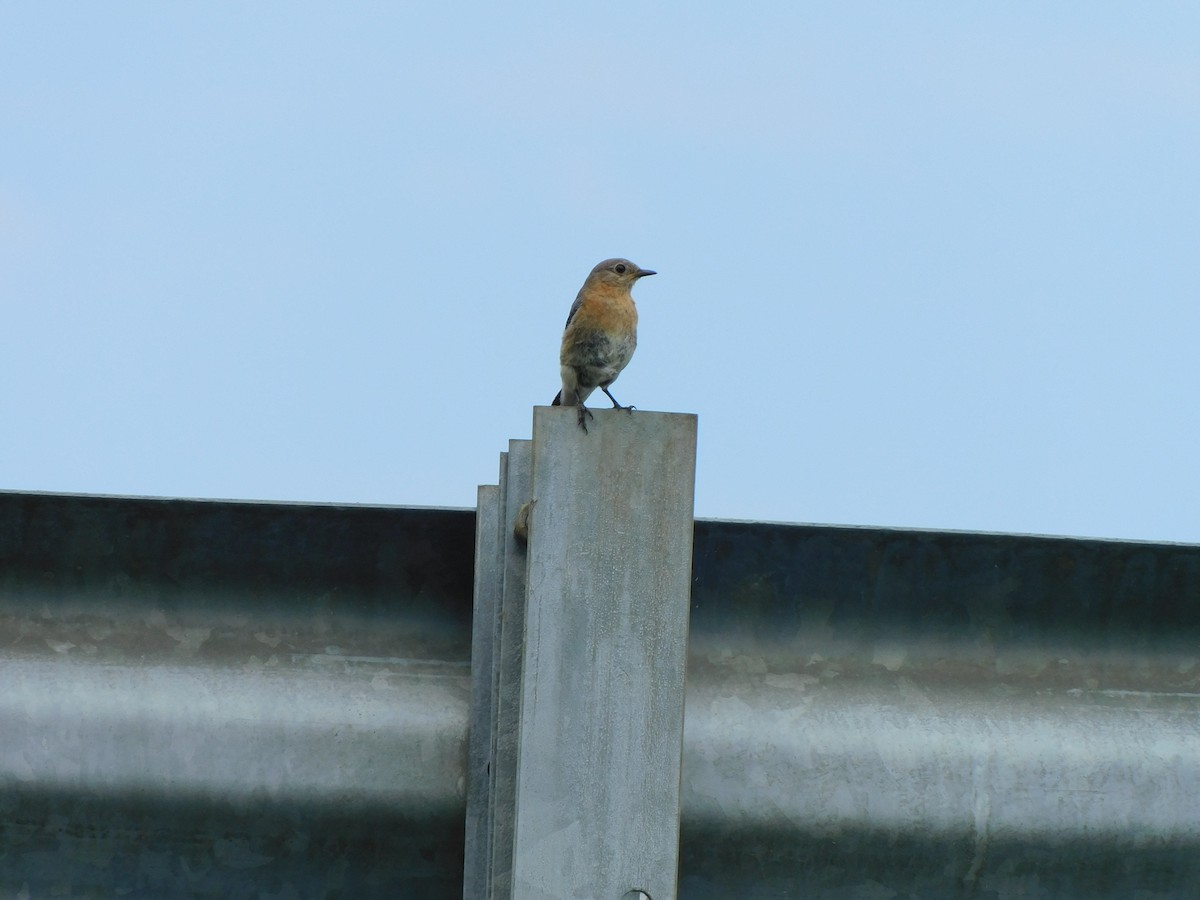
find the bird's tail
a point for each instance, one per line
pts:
(557, 401)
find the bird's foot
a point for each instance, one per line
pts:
(629, 409)
(584, 415)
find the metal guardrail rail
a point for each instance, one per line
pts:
(240, 700)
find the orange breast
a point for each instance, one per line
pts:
(608, 309)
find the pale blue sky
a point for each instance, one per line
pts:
(931, 265)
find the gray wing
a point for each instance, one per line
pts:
(574, 308)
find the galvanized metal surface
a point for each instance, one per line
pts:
(879, 713)
(516, 487)
(601, 726)
(207, 699)
(231, 700)
(489, 578)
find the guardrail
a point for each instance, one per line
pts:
(238, 699)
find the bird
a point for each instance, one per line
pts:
(600, 335)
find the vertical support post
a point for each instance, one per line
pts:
(489, 573)
(508, 658)
(601, 727)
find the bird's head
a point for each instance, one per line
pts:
(618, 272)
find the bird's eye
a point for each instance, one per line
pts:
(620, 268)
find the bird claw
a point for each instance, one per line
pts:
(584, 414)
(629, 409)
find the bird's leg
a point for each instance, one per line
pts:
(584, 412)
(629, 409)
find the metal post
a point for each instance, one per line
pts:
(488, 584)
(508, 662)
(601, 729)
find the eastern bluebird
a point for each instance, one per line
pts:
(600, 336)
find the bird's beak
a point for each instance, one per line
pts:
(644, 272)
